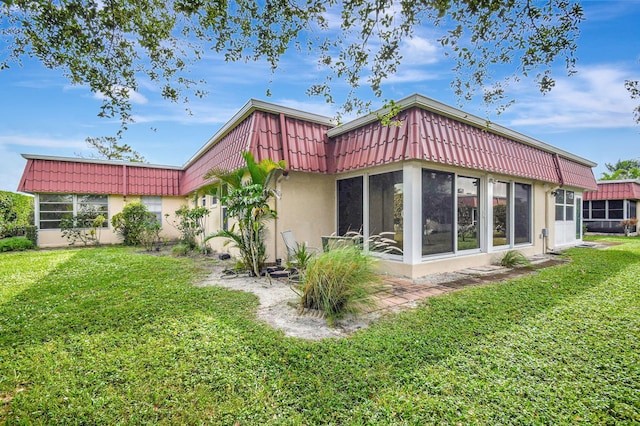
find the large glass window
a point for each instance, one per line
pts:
(437, 212)
(154, 205)
(54, 207)
(350, 216)
(501, 218)
(385, 209)
(468, 192)
(522, 213)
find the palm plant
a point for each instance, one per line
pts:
(247, 200)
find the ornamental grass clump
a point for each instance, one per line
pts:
(515, 259)
(339, 282)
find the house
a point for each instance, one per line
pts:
(615, 201)
(445, 187)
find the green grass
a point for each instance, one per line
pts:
(109, 336)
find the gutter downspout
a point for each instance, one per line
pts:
(547, 219)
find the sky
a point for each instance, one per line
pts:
(588, 114)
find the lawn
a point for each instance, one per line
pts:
(108, 336)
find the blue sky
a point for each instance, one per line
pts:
(588, 114)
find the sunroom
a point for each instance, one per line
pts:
(446, 190)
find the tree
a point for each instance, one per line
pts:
(109, 149)
(622, 169)
(16, 213)
(633, 87)
(110, 46)
(247, 201)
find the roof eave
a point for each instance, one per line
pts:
(98, 161)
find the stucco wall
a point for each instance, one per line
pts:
(307, 207)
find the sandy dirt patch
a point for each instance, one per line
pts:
(278, 308)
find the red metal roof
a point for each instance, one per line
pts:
(430, 131)
(78, 176)
(425, 135)
(304, 148)
(621, 190)
(224, 155)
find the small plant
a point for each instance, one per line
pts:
(515, 259)
(300, 259)
(629, 225)
(340, 281)
(180, 250)
(16, 244)
(191, 225)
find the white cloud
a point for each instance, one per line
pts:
(419, 51)
(411, 76)
(37, 141)
(204, 111)
(593, 98)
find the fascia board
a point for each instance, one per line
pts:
(99, 161)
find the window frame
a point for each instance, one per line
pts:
(76, 202)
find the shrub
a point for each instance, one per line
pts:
(515, 259)
(16, 213)
(130, 223)
(84, 227)
(150, 235)
(191, 224)
(16, 244)
(340, 281)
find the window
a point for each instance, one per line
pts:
(224, 215)
(204, 201)
(616, 209)
(560, 204)
(468, 193)
(522, 213)
(586, 212)
(501, 214)
(437, 212)
(153, 205)
(565, 205)
(350, 204)
(54, 207)
(386, 207)
(598, 209)
(631, 212)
